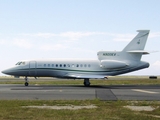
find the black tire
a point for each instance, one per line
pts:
(86, 85)
(26, 83)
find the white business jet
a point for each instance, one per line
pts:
(109, 63)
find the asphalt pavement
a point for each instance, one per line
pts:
(79, 92)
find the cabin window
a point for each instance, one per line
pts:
(89, 65)
(60, 65)
(85, 65)
(44, 65)
(48, 65)
(68, 65)
(64, 65)
(81, 65)
(72, 65)
(52, 65)
(77, 65)
(56, 65)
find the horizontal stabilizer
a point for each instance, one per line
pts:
(139, 52)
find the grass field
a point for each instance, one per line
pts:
(106, 110)
(118, 80)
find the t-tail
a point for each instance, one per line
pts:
(130, 56)
(136, 47)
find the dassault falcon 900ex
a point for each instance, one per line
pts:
(109, 63)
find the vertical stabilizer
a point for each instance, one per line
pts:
(133, 51)
(138, 42)
(135, 48)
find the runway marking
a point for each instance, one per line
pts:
(70, 107)
(145, 91)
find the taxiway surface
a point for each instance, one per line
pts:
(79, 92)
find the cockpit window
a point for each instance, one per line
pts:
(20, 63)
(17, 63)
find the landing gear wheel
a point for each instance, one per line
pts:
(86, 83)
(26, 83)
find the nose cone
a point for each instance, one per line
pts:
(12, 71)
(9, 71)
(6, 72)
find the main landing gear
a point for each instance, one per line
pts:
(86, 82)
(26, 81)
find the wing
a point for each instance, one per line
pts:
(82, 76)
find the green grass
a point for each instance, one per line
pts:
(106, 110)
(110, 110)
(119, 80)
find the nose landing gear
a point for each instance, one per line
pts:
(26, 81)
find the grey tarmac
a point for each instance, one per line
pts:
(79, 92)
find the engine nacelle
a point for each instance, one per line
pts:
(112, 64)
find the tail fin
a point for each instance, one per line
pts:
(136, 47)
(133, 51)
(138, 43)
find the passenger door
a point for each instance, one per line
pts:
(32, 68)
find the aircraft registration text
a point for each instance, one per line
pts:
(109, 54)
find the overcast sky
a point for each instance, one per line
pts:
(41, 29)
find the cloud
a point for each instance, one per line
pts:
(71, 35)
(157, 63)
(123, 37)
(78, 35)
(45, 35)
(48, 47)
(155, 34)
(22, 43)
(129, 37)
(56, 41)
(2, 42)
